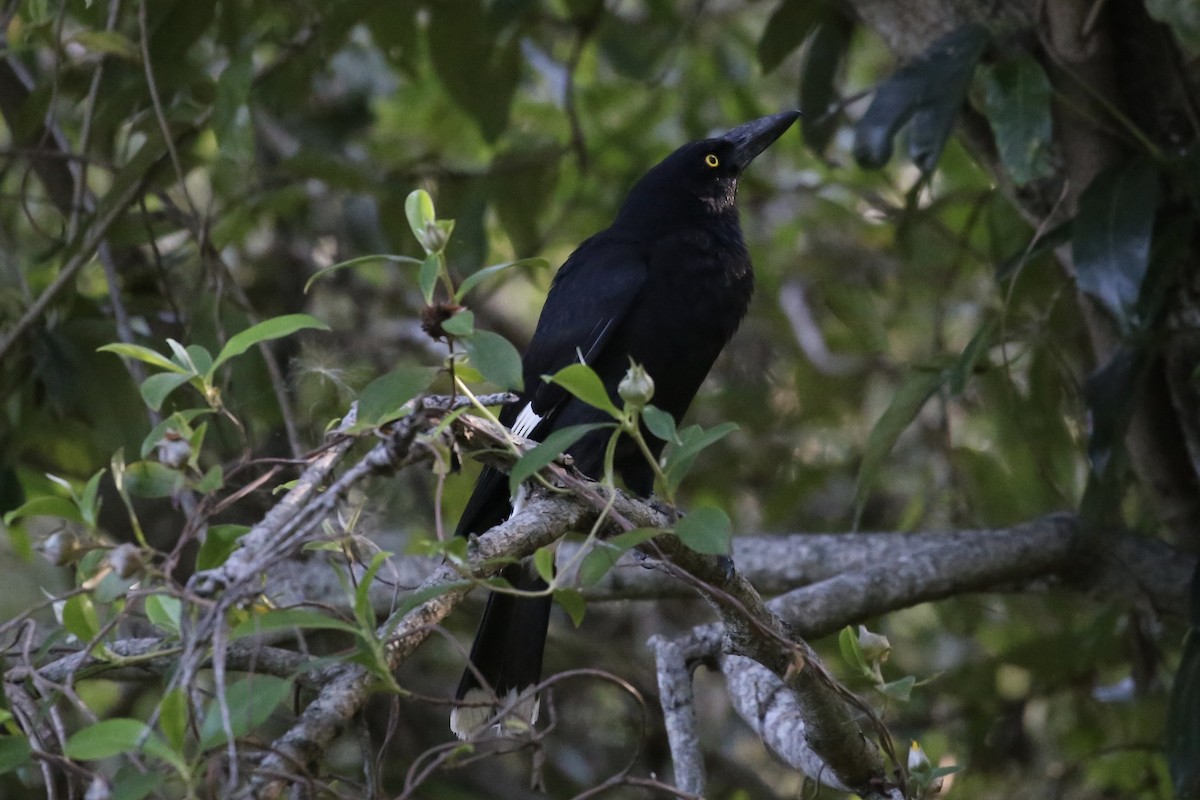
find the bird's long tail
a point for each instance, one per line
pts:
(506, 655)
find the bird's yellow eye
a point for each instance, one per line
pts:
(712, 160)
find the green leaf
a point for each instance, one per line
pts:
(965, 368)
(706, 530)
(583, 382)
(250, 701)
(475, 278)
(164, 611)
(14, 752)
(1113, 230)
(909, 399)
(496, 358)
(476, 55)
(287, 619)
(929, 91)
(1017, 97)
(852, 652)
(230, 114)
(109, 43)
(173, 718)
(134, 785)
(363, 610)
(605, 554)
(659, 422)
(543, 562)
(89, 499)
(553, 446)
(426, 594)
(273, 328)
(45, 506)
(145, 354)
(573, 603)
(79, 617)
(354, 262)
(383, 398)
(219, 542)
(114, 737)
(789, 23)
(899, 690)
(418, 208)
(212, 480)
(822, 62)
(178, 422)
(692, 440)
(1046, 242)
(156, 388)
(461, 324)
(431, 268)
(152, 479)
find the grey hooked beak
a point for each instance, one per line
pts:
(753, 137)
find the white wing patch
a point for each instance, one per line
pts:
(526, 421)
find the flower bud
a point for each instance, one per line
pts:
(61, 548)
(126, 560)
(875, 646)
(637, 387)
(917, 760)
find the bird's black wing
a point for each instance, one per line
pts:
(589, 298)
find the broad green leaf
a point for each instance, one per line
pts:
(1045, 242)
(476, 59)
(461, 324)
(219, 542)
(788, 25)
(543, 562)
(547, 451)
(851, 651)
(418, 208)
(965, 367)
(287, 619)
(354, 262)
(605, 554)
(45, 506)
(1112, 234)
(134, 785)
(496, 358)
(14, 752)
(230, 114)
(583, 382)
(273, 328)
(156, 387)
(151, 357)
(899, 690)
(427, 278)
(212, 480)
(909, 399)
(200, 357)
(692, 440)
(250, 701)
(659, 422)
(79, 617)
(425, 594)
(1017, 97)
(475, 278)
(706, 529)
(89, 499)
(383, 398)
(573, 603)
(152, 479)
(929, 90)
(114, 737)
(109, 43)
(363, 609)
(173, 718)
(825, 53)
(164, 611)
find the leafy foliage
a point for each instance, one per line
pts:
(271, 198)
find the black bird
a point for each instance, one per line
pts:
(666, 285)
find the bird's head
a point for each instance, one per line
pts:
(701, 177)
